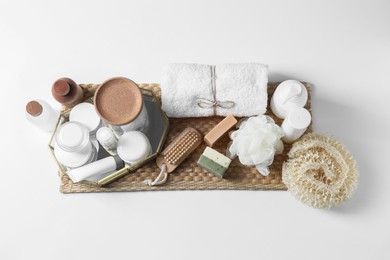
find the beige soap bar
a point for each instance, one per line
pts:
(219, 130)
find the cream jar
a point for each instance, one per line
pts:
(73, 147)
(119, 102)
(295, 124)
(133, 147)
(85, 114)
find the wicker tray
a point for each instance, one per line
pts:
(188, 176)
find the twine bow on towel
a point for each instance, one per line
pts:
(207, 103)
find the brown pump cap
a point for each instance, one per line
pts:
(61, 87)
(34, 108)
(118, 101)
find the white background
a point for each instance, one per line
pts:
(341, 47)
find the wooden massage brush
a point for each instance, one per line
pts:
(175, 153)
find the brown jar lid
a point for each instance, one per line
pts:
(118, 101)
(61, 87)
(34, 108)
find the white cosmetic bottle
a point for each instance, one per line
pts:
(295, 124)
(107, 139)
(288, 95)
(42, 115)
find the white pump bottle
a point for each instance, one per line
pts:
(288, 95)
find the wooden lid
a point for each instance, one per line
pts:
(118, 101)
(34, 108)
(61, 87)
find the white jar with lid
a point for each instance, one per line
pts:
(295, 124)
(85, 113)
(73, 147)
(133, 147)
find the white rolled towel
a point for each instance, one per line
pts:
(196, 90)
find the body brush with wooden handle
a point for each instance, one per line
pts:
(175, 153)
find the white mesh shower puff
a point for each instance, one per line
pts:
(320, 171)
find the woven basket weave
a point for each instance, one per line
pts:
(189, 176)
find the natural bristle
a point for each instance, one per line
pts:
(181, 147)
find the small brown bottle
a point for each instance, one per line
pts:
(67, 92)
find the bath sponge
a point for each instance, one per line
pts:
(320, 171)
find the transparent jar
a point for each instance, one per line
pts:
(140, 123)
(73, 147)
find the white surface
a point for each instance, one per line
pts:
(341, 47)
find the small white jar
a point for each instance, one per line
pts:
(295, 124)
(73, 147)
(85, 113)
(133, 146)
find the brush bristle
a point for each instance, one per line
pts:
(181, 147)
